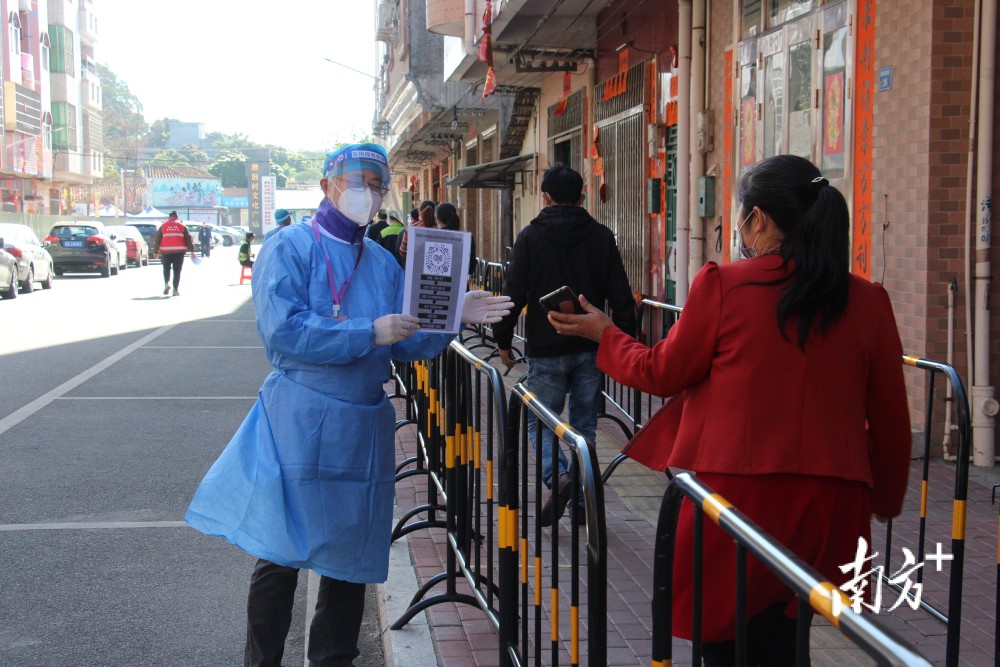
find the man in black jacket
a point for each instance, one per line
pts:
(563, 246)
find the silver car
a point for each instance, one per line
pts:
(34, 263)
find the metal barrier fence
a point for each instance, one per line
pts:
(655, 320)
(520, 475)
(812, 591)
(953, 618)
(478, 469)
(461, 415)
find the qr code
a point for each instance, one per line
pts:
(437, 259)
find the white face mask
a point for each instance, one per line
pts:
(358, 205)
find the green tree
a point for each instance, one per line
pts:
(230, 168)
(158, 133)
(185, 156)
(122, 121)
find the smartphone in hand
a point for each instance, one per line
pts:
(563, 300)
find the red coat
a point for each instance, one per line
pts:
(806, 443)
(753, 403)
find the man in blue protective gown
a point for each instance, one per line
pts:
(308, 479)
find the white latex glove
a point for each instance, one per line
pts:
(481, 308)
(390, 329)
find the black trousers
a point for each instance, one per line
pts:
(336, 625)
(175, 260)
(770, 642)
(206, 249)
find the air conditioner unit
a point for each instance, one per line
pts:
(386, 25)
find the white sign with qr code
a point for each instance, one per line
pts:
(437, 278)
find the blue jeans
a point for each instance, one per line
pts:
(550, 379)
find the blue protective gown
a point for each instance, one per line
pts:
(308, 479)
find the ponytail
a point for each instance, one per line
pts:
(448, 215)
(814, 219)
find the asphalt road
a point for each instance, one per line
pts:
(115, 402)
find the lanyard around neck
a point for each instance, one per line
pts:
(337, 294)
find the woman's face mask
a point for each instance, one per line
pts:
(747, 253)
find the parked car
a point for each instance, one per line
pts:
(228, 236)
(33, 260)
(8, 274)
(148, 231)
(83, 246)
(136, 248)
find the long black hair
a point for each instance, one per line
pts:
(446, 214)
(816, 224)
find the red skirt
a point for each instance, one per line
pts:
(818, 518)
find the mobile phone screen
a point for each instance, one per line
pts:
(563, 300)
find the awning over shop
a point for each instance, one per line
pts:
(498, 175)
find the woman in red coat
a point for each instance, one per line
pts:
(791, 400)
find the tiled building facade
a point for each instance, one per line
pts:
(876, 93)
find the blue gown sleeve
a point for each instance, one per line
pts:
(286, 322)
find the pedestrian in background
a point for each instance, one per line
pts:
(446, 217)
(205, 239)
(282, 219)
(173, 241)
(389, 237)
(245, 255)
(308, 479)
(425, 218)
(375, 229)
(563, 246)
(791, 402)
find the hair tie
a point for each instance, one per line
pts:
(818, 183)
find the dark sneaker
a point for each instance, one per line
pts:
(560, 496)
(166, 288)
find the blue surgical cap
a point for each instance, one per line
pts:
(353, 157)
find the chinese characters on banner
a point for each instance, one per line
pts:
(861, 237)
(486, 51)
(727, 158)
(255, 172)
(268, 184)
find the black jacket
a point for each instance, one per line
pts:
(564, 246)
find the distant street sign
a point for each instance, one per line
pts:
(885, 79)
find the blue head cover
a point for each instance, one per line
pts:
(282, 217)
(353, 157)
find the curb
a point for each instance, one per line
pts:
(412, 646)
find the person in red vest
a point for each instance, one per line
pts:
(172, 242)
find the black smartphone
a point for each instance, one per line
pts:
(563, 300)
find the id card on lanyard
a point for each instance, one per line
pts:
(337, 294)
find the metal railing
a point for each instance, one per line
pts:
(953, 618)
(810, 589)
(523, 479)
(462, 420)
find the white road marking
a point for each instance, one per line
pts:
(16, 417)
(155, 398)
(204, 347)
(8, 527)
(312, 594)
